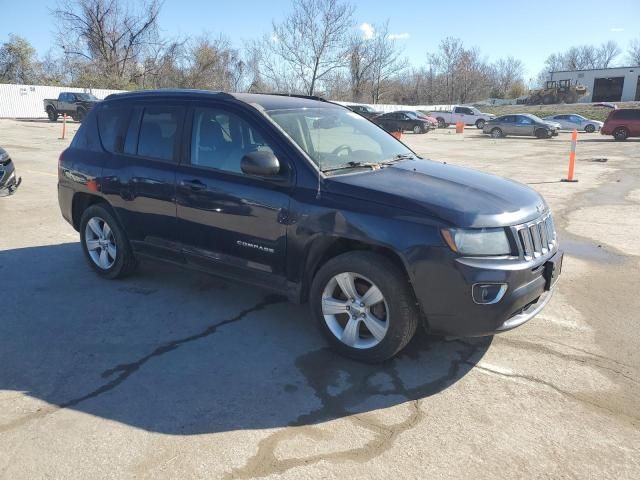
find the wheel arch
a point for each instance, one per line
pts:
(326, 247)
(81, 201)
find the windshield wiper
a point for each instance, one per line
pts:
(352, 165)
(397, 158)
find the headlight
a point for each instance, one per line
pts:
(4, 156)
(480, 241)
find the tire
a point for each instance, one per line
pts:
(497, 133)
(620, 134)
(418, 129)
(547, 99)
(442, 123)
(590, 128)
(542, 133)
(480, 124)
(52, 114)
(395, 316)
(80, 115)
(120, 260)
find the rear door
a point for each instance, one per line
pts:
(230, 221)
(634, 123)
(139, 180)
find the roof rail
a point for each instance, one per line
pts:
(297, 95)
(167, 91)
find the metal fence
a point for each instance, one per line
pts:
(25, 101)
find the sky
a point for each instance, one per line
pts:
(498, 28)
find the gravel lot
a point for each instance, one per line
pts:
(175, 374)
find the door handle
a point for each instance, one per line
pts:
(193, 185)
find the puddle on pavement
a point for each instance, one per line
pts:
(588, 251)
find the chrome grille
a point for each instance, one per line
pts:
(536, 238)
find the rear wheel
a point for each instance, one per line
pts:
(364, 305)
(480, 124)
(590, 128)
(621, 133)
(496, 133)
(105, 244)
(52, 114)
(547, 99)
(442, 123)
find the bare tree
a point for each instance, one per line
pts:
(445, 62)
(633, 53)
(362, 59)
(311, 40)
(508, 72)
(108, 34)
(607, 53)
(387, 62)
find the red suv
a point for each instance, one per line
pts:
(622, 124)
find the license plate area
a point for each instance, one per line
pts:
(552, 270)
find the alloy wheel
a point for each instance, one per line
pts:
(100, 243)
(355, 310)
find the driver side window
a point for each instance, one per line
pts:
(219, 139)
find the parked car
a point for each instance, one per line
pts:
(75, 105)
(521, 124)
(468, 115)
(402, 121)
(365, 111)
(427, 116)
(575, 122)
(622, 123)
(9, 182)
(301, 197)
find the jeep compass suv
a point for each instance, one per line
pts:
(309, 199)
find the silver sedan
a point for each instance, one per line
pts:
(574, 121)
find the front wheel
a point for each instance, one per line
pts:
(542, 133)
(480, 124)
(80, 115)
(417, 129)
(105, 244)
(589, 128)
(364, 305)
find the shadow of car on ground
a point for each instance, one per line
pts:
(177, 352)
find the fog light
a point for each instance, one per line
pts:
(488, 293)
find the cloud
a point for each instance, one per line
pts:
(399, 36)
(368, 32)
(616, 29)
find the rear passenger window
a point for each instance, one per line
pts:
(220, 139)
(111, 119)
(159, 132)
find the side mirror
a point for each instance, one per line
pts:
(261, 164)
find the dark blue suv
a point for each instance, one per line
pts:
(309, 199)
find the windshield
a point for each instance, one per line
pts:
(533, 117)
(85, 97)
(338, 138)
(475, 111)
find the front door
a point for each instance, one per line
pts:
(230, 221)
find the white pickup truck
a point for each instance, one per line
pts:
(468, 115)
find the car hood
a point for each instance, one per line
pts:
(458, 196)
(553, 124)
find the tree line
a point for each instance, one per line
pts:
(318, 48)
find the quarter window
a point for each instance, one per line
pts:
(159, 132)
(219, 139)
(111, 118)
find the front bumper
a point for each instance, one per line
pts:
(444, 292)
(9, 181)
